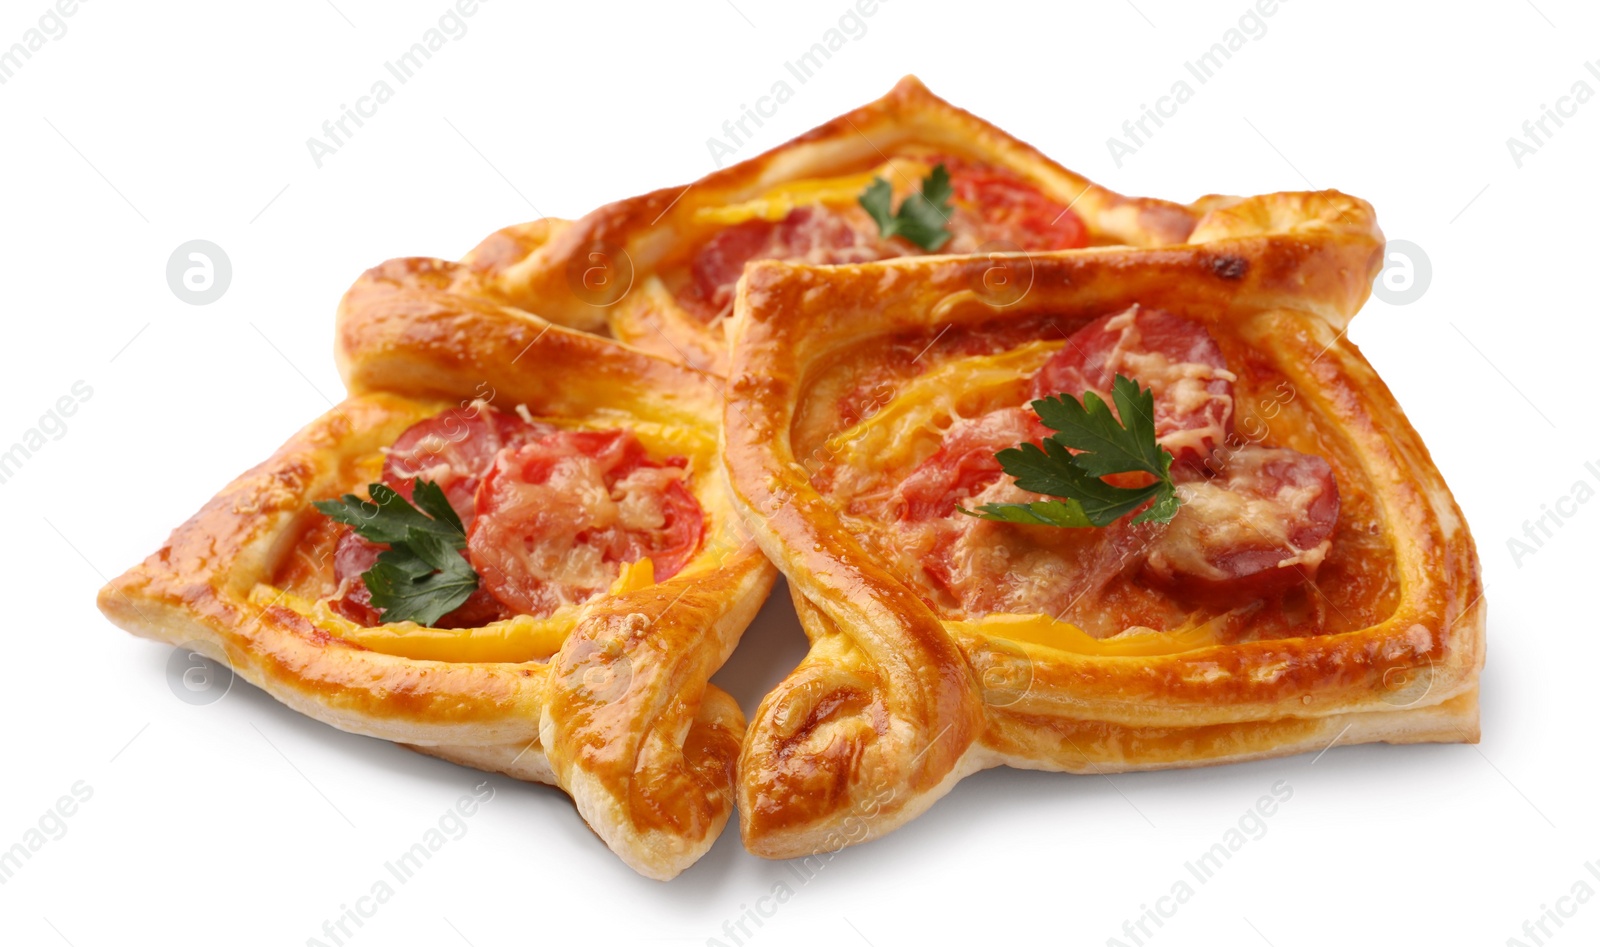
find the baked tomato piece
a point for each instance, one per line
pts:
(995, 205)
(454, 449)
(812, 234)
(557, 517)
(353, 556)
(965, 462)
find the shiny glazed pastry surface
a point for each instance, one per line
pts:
(658, 270)
(865, 391)
(848, 382)
(604, 693)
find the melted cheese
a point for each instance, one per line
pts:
(1180, 384)
(988, 567)
(1005, 583)
(775, 203)
(520, 638)
(1047, 632)
(910, 427)
(640, 506)
(1248, 510)
(516, 639)
(1219, 518)
(659, 440)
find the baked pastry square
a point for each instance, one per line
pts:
(1317, 583)
(612, 576)
(659, 270)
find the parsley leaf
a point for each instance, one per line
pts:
(922, 216)
(422, 576)
(405, 588)
(1106, 446)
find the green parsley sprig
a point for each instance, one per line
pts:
(422, 576)
(1105, 447)
(922, 216)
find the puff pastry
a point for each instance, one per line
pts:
(941, 644)
(863, 401)
(603, 692)
(658, 270)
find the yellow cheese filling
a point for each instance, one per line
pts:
(910, 427)
(776, 202)
(1049, 632)
(516, 639)
(521, 637)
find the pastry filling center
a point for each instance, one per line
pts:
(551, 515)
(820, 221)
(1255, 525)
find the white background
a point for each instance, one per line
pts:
(241, 822)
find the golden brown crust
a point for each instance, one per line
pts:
(893, 702)
(893, 705)
(621, 716)
(602, 273)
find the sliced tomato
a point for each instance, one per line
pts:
(353, 555)
(990, 205)
(812, 234)
(965, 462)
(1176, 358)
(454, 449)
(720, 263)
(995, 205)
(1263, 522)
(557, 516)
